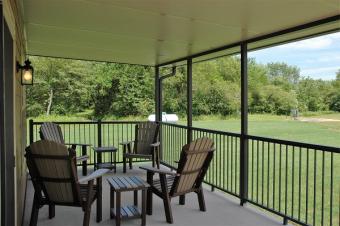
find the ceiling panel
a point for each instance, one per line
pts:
(150, 32)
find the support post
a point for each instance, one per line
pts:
(244, 126)
(99, 133)
(158, 96)
(189, 100)
(158, 107)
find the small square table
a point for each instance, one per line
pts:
(124, 184)
(98, 157)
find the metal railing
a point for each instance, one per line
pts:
(97, 133)
(297, 181)
(224, 169)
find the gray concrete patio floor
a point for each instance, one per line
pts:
(222, 210)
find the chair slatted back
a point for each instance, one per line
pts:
(51, 131)
(193, 164)
(146, 133)
(54, 170)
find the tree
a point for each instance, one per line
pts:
(274, 100)
(119, 90)
(283, 75)
(312, 94)
(334, 94)
(60, 86)
(123, 90)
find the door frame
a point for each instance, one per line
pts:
(7, 160)
(2, 145)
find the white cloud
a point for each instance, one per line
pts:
(317, 43)
(324, 58)
(335, 35)
(314, 43)
(320, 71)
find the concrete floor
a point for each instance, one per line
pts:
(222, 210)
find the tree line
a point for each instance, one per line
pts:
(66, 87)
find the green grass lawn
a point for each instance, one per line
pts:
(282, 127)
(266, 173)
(263, 167)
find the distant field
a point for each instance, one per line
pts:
(282, 127)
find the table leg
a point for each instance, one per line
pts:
(99, 159)
(143, 207)
(112, 202)
(115, 161)
(95, 161)
(84, 163)
(135, 198)
(117, 208)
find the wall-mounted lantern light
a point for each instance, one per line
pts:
(26, 73)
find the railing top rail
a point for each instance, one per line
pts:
(265, 139)
(203, 130)
(295, 143)
(63, 123)
(88, 122)
(121, 122)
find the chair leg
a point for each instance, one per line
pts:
(149, 202)
(158, 163)
(166, 199)
(87, 213)
(201, 201)
(87, 207)
(182, 199)
(124, 165)
(149, 179)
(158, 158)
(51, 211)
(153, 160)
(130, 163)
(167, 208)
(35, 212)
(99, 200)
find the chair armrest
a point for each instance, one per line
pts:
(96, 174)
(78, 144)
(155, 144)
(82, 158)
(160, 171)
(126, 142)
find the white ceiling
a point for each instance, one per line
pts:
(150, 32)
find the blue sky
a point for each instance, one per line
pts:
(318, 58)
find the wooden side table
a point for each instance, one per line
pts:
(98, 158)
(125, 184)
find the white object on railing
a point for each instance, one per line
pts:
(165, 117)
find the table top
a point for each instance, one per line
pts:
(106, 165)
(127, 183)
(105, 149)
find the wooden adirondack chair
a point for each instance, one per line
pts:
(52, 132)
(145, 144)
(192, 167)
(54, 176)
